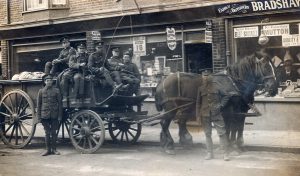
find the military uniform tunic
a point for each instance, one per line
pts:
(64, 60)
(96, 64)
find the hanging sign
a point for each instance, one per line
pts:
(291, 40)
(96, 35)
(277, 30)
(246, 32)
(208, 31)
(171, 38)
(139, 45)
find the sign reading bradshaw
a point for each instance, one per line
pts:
(256, 6)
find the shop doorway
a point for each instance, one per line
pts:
(198, 57)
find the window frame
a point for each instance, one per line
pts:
(49, 5)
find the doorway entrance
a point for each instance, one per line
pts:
(198, 57)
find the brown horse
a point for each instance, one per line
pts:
(182, 89)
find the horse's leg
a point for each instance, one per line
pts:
(185, 138)
(240, 130)
(166, 139)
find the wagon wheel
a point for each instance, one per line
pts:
(121, 131)
(87, 131)
(64, 126)
(18, 119)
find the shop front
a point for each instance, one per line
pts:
(157, 50)
(280, 25)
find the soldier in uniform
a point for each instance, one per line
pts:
(212, 100)
(130, 73)
(96, 64)
(49, 112)
(115, 64)
(60, 63)
(77, 69)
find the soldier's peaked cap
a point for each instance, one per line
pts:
(64, 39)
(115, 48)
(81, 45)
(45, 77)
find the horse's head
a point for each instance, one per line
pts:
(265, 73)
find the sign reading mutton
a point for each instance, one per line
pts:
(256, 6)
(276, 30)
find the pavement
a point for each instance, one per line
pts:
(254, 140)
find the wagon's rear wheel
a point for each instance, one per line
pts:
(122, 132)
(18, 119)
(87, 131)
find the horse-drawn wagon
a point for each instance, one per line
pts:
(85, 121)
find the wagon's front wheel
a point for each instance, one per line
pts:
(87, 131)
(17, 117)
(121, 131)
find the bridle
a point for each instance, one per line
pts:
(260, 74)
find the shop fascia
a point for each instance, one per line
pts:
(255, 7)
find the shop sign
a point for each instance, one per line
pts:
(291, 40)
(276, 30)
(208, 31)
(246, 32)
(256, 6)
(96, 35)
(139, 45)
(171, 38)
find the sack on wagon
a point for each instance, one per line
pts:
(28, 75)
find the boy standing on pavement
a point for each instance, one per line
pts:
(49, 112)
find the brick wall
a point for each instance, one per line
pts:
(3, 12)
(4, 55)
(88, 6)
(219, 45)
(16, 9)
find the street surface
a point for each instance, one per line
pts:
(143, 159)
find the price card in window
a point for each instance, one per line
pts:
(139, 46)
(291, 40)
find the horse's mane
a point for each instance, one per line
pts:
(243, 70)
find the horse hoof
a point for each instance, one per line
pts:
(170, 152)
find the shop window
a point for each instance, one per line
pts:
(33, 5)
(283, 47)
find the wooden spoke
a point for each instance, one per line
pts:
(16, 139)
(10, 111)
(11, 103)
(24, 129)
(95, 141)
(26, 115)
(24, 108)
(130, 134)
(21, 132)
(126, 136)
(118, 134)
(90, 143)
(133, 129)
(7, 115)
(78, 122)
(8, 128)
(95, 128)
(12, 133)
(19, 105)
